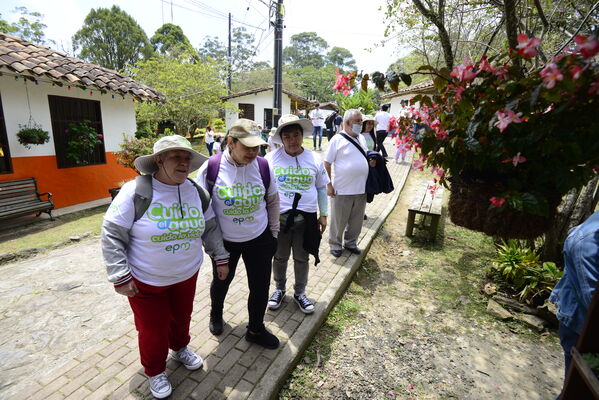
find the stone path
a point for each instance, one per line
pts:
(65, 334)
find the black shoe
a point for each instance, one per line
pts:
(353, 250)
(365, 217)
(336, 253)
(276, 299)
(264, 339)
(216, 325)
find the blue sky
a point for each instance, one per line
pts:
(352, 24)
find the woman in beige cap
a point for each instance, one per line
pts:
(245, 201)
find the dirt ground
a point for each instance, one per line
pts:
(421, 332)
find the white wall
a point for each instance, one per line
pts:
(395, 103)
(118, 116)
(260, 101)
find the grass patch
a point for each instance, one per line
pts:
(46, 233)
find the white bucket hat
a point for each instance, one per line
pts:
(248, 132)
(147, 164)
(290, 119)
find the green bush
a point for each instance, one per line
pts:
(82, 140)
(133, 147)
(28, 135)
(219, 125)
(520, 266)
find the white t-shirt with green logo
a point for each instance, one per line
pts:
(302, 174)
(238, 199)
(165, 245)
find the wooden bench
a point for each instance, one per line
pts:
(20, 197)
(426, 204)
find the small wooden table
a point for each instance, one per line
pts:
(426, 203)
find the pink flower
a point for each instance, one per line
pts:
(506, 117)
(527, 47)
(435, 125)
(576, 71)
(517, 159)
(464, 71)
(439, 172)
(458, 92)
(411, 387)
(433, 188)
(551, 74)
(418, 164)
(100, 136)
(497, 201)
(588, 46)
(342, 83)
(485, 66)
(441, 135)
(502, 72)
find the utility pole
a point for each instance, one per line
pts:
(230, 60)
(278, 62)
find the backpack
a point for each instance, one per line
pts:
(143, 195)
(330, 120)
(214, 167)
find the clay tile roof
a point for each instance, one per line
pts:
(426, 87)
(20, 56)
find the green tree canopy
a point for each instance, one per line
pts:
(29, 26)
(193, 92)
(111, 38)
(314, 82)
(169, 39)
(242, 50)
(305, 49)
(342, 58)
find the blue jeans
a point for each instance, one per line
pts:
(209, 147)
(568, 339)
(317, 131)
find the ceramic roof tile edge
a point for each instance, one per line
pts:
(262, 89)
(417, 88)
(25, 53)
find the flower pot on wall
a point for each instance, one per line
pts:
(469, 207)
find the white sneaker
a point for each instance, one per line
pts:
(160, 386)
(188, 358)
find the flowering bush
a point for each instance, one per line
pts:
(132, 147)
(82, 141)
(32, 134)
(530, 137)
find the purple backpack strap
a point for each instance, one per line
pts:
(212, 171)
(264, 173)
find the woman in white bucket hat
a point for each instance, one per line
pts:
(301, 180)
(154, 259)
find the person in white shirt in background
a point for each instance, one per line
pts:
(209, 138)
(248, 215)
(301, 179)
(348, 169)
(382, 119)
(317, 118)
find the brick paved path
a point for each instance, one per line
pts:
(233, 368)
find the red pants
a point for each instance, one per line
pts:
(162, 317)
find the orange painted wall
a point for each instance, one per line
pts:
(70, 185)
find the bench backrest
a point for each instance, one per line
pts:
(18, 191)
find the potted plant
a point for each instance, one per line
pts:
(82, 141)
(508, 139)
(32, 134)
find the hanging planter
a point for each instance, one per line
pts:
(469, 207)
(32, 134)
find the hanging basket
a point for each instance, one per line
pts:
(469, 207)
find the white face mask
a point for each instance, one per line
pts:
(357, 128)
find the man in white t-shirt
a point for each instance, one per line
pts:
(317, 117)
(348, 187)
(301, 180)
(382, 119)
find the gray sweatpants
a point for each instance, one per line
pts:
(347, 216)
(292, 239)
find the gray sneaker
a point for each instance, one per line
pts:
(160, 386)
(188, 358)
(276, 299)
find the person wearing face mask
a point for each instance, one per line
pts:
(154, 258)
(245, 201)
(347, 167)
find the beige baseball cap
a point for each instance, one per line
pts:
(247, 132)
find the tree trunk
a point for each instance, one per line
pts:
(438, 19)
(511, 26)
(574, 210)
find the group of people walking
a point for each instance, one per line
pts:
(239, 206)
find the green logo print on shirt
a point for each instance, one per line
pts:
(186, 223)
(293, 179)
(240, 200)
